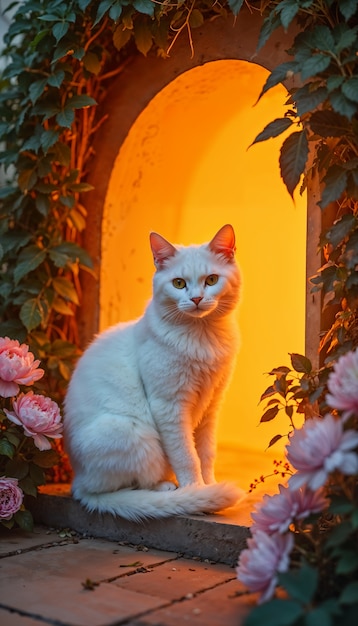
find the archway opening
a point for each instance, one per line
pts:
(184, 170)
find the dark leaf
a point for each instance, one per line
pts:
(342, 105)
(274, 440)
(121, 36)
(65, 118)
(6, 449)
(273, 129)
(27, 485)
(316, 64)
(347, 8)
(335, 183)
(266, 394)
(349, 594)
(24, 520)
(59, 30)
(275, 613)
(350, 88)
(270, 414)
(278, 75)
(46, 458)
(329, 123)
(29, 259)
(301, 363)
(307, 98)
(31, 313)
(300, 584)
(144, 6)
(235, 5)
(293, 158)
(340, 229)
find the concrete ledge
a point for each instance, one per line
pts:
(218, 538)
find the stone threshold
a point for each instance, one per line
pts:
(218, 537)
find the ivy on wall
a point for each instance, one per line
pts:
(60, 58)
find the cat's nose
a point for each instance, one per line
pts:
(196, 300)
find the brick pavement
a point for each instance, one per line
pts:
(62, 579)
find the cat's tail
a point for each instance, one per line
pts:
(140, 504)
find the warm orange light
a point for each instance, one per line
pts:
(184, 171)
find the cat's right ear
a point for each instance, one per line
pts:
(161, 249)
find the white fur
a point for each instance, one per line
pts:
(141, 408)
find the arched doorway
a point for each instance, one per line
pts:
(184, 170)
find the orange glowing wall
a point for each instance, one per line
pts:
(184, 171)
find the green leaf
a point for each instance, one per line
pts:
(340, 229)
(31, 314)
(318, 616)
(335, 183)
(37, 474)
(273, 129)
(59, 30)
(103, 8)
(196, 18)
(270, 414)
(144, 6)
(24, 520)
(66, 289)
(316, 64)
(56, 78)
(269, 24)
(29, 259)
(350, 88)
(27, 485)
(17, 468)
(342, 105)
(65, 118)
(115, 11)
(6, 449)
(73, 253)
(347, 8)
(288, 9)
(349, 595)
(301, 363)
(293, 158)
(301, 583)
(36, 89)
(60, 306)
(235, 5)
(309, 97)
(328, 123)
(48, 139)
(275, 613)
(278, 75)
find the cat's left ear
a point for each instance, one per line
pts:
(161, 249)
(224, 242)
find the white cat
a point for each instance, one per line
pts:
(141, 408)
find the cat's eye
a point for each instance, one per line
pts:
(212, 279)
(179, 283)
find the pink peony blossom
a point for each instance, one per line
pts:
(11, 497)
(320, 447)
(17, 367)
(260, 563)
(276, 513)
(343, 385)
(39, 416)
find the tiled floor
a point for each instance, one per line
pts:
(50, 578)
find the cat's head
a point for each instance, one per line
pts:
(196, 281)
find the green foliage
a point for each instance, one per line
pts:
(325, 103)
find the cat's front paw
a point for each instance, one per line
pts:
(166, 485)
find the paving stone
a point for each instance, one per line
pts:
(16, 539)
(14, 619)
(177, 579)
(220, 606)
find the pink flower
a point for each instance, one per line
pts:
(17, 367)
(39, 416)
(260, 563)
(277, 512)
(11, 497)
(320, 447)
(343, 385)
